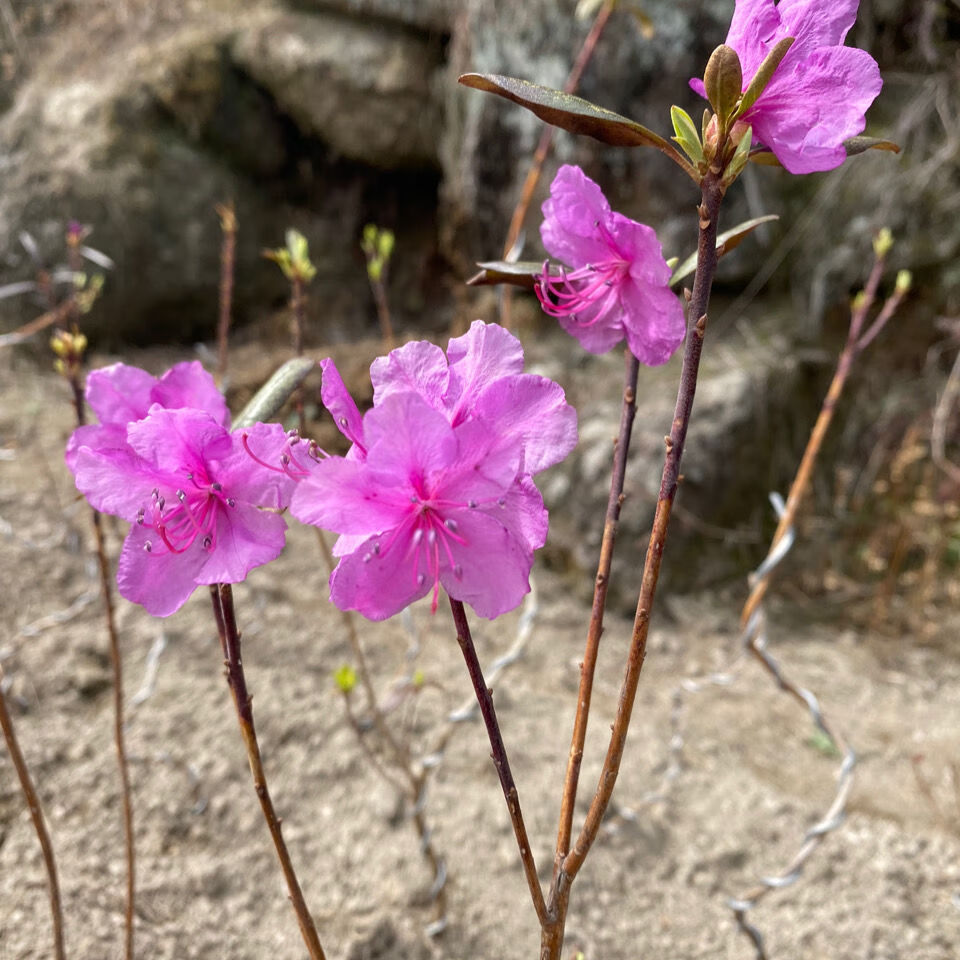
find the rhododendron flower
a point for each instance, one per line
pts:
(437, 487)
(819, 93)
(120, 394)
(618, 287)
(193, 493)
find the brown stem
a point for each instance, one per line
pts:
(298, 302)
(801, 481)
(116, 661)
(595, 630)
(499, 755)
(543, 149)
(225, 616)
(379, 288)
(228, 247)
(39, 824)
(711, 197)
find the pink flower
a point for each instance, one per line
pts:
(430, 505)
(821, 90)
(120, 394)
(193, 494)
(618, 287)
(437, 489)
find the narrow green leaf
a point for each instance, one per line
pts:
(859, 144)
(518, 274)
(268, 400)
(568, 112)
(762, 77)
(764, 158)
(727, 241)
(739, 159)
(686, 134)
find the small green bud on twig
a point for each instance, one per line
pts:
(904, 281)
(882, 242)
(377, 245)
(345, 677)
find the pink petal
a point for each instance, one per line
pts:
(804, 116)
(116, 481)
(380, 584)
(179, 441)
(484, 354)
(653, 321)
(243, 478)
(532, 410)
(340, 496)
(816, 23)
(599, 337)
(119, 393)
(407, 440)
(160, 581)
(755, 28)
(189, 385)
(336, 398)
(570, 217)
(245, 538)
(420, 367)
(491, 569)
(99, 437)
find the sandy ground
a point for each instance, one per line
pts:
(750, 778)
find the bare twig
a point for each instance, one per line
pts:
(499, 755)
(228, 249)
(543, 151)
(39, 824)
(223, 609)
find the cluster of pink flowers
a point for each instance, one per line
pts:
(436, 490)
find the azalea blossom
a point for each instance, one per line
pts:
(819, 93)
(194, 494)
(619, 283)
(120, 394)
(437, 488)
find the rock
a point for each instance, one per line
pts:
(367, 94)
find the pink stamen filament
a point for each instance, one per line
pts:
(568, 294)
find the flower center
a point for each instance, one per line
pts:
(188, 515)
(585, 296)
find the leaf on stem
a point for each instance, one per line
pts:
(726, 241)
(857, 145)
(275, 392)
(521, 273)
(568, 112)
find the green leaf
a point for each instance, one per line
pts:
(859, 144)
(686, 134)
(568, 112)
(739, 159)
(764, 158)
(727, 241)
(345, 677)
(275, 392)
(762, 77)
(519, 274)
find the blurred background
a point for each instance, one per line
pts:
(137, 118)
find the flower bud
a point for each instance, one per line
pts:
(882, 242)
(904, 281)
(723, 81)
(345, 677)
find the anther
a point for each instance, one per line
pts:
(148, 546)
(471, 504)
(215, 487)
(367, 557)
(376, 549)
(207, 542)
(421, 579)
(417, 537)
(502, 502)
(458, 572)
(181, 496)
(432, 537)
(231, 502)
(451, 525)
(140, 513)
